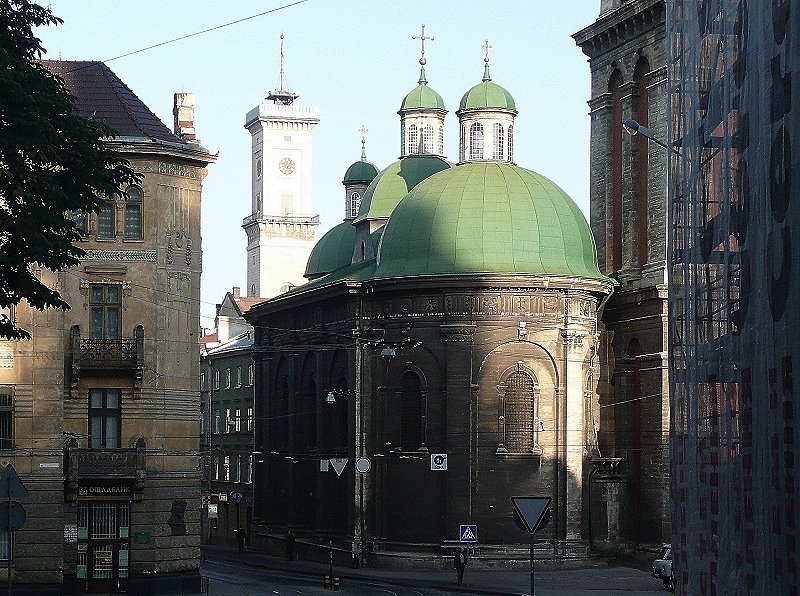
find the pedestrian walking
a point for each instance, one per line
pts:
(241, 538)
(290, 545)
(459, 563)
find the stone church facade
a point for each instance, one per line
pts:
(442, 358)
(103, 401)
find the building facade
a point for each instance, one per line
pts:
(441, 359)
(734, 274)
(227, 385)
(626, 47)
(102, 406)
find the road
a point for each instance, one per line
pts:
(231, 579)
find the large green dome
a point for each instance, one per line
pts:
(393, 183)
(422, 96)
(487, 218)
(360, 171)
(487, 95)
(331, 252)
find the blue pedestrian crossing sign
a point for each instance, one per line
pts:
(468, 533)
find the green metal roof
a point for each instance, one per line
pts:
(361, 171)
(394, 182)
(331, 252)
(487, 95)
(487, 218)
(422, 96)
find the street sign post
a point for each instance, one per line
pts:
(534, 513)
(468, 533)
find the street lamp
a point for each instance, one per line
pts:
(633, 128)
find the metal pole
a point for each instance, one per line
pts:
(533, 585)
(8, 531)
(330, 560)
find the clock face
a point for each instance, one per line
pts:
(286, 165)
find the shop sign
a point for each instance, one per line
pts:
(109, 491)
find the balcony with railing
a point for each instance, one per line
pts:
(122, 467)
(96, 356)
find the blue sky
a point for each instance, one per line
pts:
(353, 59)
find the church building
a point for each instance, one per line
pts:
(441, 359)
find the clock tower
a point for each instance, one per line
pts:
(280, 229)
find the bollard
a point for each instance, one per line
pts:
(336, 584)
(326, 582)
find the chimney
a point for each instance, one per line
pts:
(183, 111)
(237, 293)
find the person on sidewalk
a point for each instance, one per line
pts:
(290, 545)
(241, 538)
(459, 563)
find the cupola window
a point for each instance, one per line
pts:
(511, 142)
(498, 136)
(441, 140)
(412, 139)
(476, 141)
(427, 139)
(355, 203)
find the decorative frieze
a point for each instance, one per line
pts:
(139, 256)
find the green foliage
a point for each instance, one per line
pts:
(53, 162)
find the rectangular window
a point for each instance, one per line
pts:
(105, 220)
(227, 378)
(105, 410)
(228, 420)
(250, 418)
(216, 379)
(81, 221)
(238, 421)
(133, 214)
(226, 468)
(216, 468)
(249, 470)
(250, 374)
(237, 468)
(6, 417)
(287, 204)
(105, 301)
(202, 381)
(238, 376)
(216, 422)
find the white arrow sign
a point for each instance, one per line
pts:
(338, 464)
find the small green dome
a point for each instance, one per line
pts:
(332, 252)
(360, 171)
(422, 96)
(487, 95)
(393, 183)
(487, 218)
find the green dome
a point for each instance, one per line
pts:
(394, 182)
(360, 171)
(487, 218)
(422, 96)
(333, 251)
(487, 95)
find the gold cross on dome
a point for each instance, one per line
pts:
(363, 130)
(422, 37)
(486, 47)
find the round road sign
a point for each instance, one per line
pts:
(363, 465)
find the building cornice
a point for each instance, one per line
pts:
(623, 24)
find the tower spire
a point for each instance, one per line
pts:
(281, 95)
(422, 60)
(363, 130)
(486, 46)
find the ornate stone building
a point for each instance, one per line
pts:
(442, 358)
(103, 404)
(626, 47)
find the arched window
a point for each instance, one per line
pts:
(461, 144)
(518, 423)
(614, 252)
(410, 412)
(133, 213)
(476, 141)
(427, 139)
(403, 139)
(497, 135)
(511, 142)
(355, 203)
(412, 139)
(441, 140)
(640, 147)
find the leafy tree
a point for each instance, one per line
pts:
(53, 162)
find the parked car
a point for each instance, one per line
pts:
(662, 568)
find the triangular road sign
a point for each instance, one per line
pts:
(11, 485)
(338, 464)
(531, 510)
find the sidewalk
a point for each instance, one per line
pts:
(614, 579)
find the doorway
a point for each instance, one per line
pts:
(104, 545)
